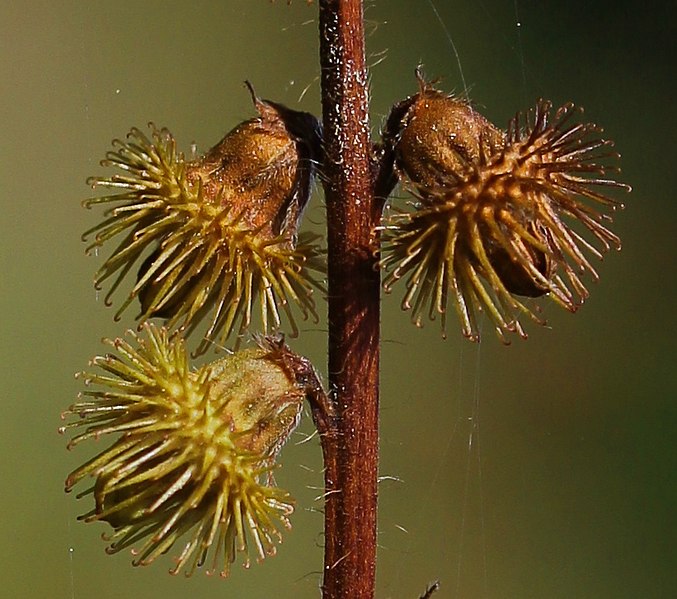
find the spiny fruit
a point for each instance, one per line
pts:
(493, 210)
(194, 449)
(217, 235)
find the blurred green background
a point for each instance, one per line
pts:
(541, 470)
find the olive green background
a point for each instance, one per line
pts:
(541, 470)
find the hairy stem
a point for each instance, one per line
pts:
(350, 436)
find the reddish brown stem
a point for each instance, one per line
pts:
(350, 441)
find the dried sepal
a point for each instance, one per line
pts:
(435, 137)
(194, 449)
(496, 215)
(218, 235)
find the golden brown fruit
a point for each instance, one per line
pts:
(491, 212)
(222, 230)
(437, 138)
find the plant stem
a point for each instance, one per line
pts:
(350, 438)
